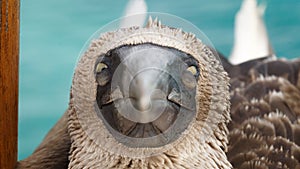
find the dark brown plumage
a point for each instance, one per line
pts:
(265, 112)
(53, 152)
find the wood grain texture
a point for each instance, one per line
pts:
(9, 60)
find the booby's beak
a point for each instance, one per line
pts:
(145, 91)
(148, 93)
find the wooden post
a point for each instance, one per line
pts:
(9, 61)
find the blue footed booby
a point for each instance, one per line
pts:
(142, 97)
(155, 96)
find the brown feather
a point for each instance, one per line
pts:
(53, 152)
(264, 132)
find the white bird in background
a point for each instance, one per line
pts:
(251, 39)
(137, 10)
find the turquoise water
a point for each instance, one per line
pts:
(53, 33)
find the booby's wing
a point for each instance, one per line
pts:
(265, 112)
(250, 37)
(53, 152)
(265, 107)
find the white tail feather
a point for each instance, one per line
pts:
(251, 39)
(137, 10)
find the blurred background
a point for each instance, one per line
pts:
(53, 33)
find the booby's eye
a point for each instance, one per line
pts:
(100, 67)
(192, 69)
(102, 74)
(189, 77)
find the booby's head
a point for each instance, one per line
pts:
(146, 98)
(145, 92)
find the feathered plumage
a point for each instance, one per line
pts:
(265, 93)
(264, 131)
